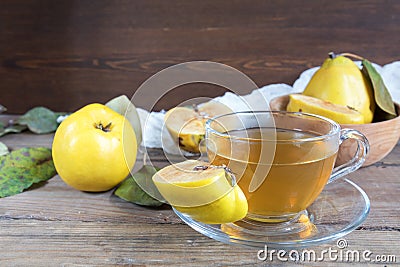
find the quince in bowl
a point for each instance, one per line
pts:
(382, 136)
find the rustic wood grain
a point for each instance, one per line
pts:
(68, 243)
(65, 54)
(55, 225)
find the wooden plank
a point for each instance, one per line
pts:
(47, 243)
(64, 55)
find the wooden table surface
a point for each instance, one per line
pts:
(55, 225)
(64, 54)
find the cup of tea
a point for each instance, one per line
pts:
(281, 160)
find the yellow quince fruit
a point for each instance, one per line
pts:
(340, 81)
(94, 149)
(187, 125)
(338, 113)
(204, 192)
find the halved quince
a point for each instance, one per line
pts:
(206, 193)
(187, 125)
(338, 113)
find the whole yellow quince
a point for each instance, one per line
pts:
(94, 148)
(340, 81)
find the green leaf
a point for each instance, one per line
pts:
(23, 167)
(3, 149)
(40, 120)
(15, 128)
(385, 107)
(130, 190)
(124, 106)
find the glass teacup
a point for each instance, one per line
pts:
(281, 160)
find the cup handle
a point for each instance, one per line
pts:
(359, 157)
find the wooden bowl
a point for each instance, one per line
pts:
(382, 136)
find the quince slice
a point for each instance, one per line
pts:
(187, 125)
(338, 113)
(205, 192)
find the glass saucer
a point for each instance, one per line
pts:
(340, 208)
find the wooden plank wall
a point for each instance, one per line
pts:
(67, 53)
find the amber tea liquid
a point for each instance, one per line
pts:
(296, 177)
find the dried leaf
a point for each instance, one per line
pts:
(3, 149)
(15, 128)
(40, 120)
(23, 167)
(124, 106)
(130, 190)
(385, 106)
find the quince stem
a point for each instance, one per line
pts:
(350, 55)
